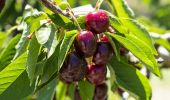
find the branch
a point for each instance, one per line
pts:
(55, 8)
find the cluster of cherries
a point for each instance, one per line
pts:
(91, 43)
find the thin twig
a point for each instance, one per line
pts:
(55, 8)
(98, 4)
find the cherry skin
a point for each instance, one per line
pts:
(96, 74)
(73, 69)
(100, 92)
(85, 43)
(103, 53)
(97, 22)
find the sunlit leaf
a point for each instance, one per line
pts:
(12, 72)
(9, 52)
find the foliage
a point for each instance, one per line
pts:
(29, 67)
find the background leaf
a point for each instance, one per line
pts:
(125, 15)
(2, 38)
(47, 92)
(9, 52)
(61, 91)
(137, 48)
(86, 90)
(131, 79)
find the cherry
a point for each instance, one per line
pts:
(97, 22)
(103, 53)
(85, 43)
(96, 74)
(73, 69)
(100, 92)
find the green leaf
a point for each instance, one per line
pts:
(62, 21)
(9, 52)
(19, 89)
(112, 75)
(163, 43)
(33, 21)
(12, 72)
(61, 91)
(23, 42)
(114, 46)
(51, 65)
(71, 91)
(122, 9)
(125, 15)
(2, 38)
(116, 24)
(45, 35)
(33, 51)
(65, 46)
(131, 79)
(140, 50)
(47, 92)
(86, 90)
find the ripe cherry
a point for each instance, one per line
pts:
(100, 92)
(103, 53)
(73, 69)
(96, 74)
(85, 43)
(97, 22)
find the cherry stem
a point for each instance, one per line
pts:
(56, 9)
(89, 60)
(98, 4)
(110, 29)
(73, 17)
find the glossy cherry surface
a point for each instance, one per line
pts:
(97, 22)
(85, 43)
(96, 74)
(103, 53)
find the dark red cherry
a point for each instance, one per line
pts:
(100, 92)
(97, 22)
(103, 53)
(85, 43)
(96, 74)
(73, 69)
